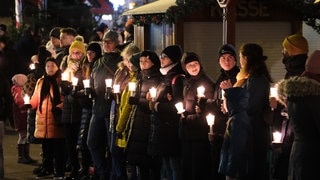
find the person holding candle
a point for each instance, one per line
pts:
(28, 89)
(123, 112)
(236, 152)
(103, 68)
(139, 125)
(125, 73)
(229, 70)
(295, 50)
(71, 114)
(93, 53)
(255, 78)
(300, 95)
(164, 141)
(194, 129)
(20, 118)
(47, 101)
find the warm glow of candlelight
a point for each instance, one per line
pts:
(222, 94)
(210, 119)
(200, 91)
(153, 92)
(32, 66)
(26, 99)
(179, 107)
(277, 137)
(273, 92)
(116, 88)
(65, 76)
(108, 83)
(86, 83)
(132, 86)
(74, 81)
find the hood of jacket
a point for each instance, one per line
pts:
(297, 87)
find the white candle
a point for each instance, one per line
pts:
(153, 93)
(274, 92)
(132, 86)
(26, 99)
(210, 120)
(277, 137)
(116, 88)
(74, 81)
(200, 91)
(222, 94)
(32, 66)
(86, 83)
(108, 83)
(179, 107)
(65, 76)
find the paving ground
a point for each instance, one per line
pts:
(12, 169)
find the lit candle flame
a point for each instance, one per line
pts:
(26, 99)
(86, 83)
(200, 91)
(108, 83)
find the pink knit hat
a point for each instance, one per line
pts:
(313, 63)
(19, 79)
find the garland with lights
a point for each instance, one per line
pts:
(309, 12)
(173, 13)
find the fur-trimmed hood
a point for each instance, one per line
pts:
(297, 87)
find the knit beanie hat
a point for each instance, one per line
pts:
(174, 52)
(19, 79)
(152, 56)
(77, 45)
(135, 60)
(94, 46)
(227, 49)
(112, 35)
(296, 44)
(189, 57)
(51, 59)
(313, 63)
(55, 32)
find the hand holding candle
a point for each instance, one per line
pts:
(26, 99)
(276, 137)
(210, 120)
(153, 93)
(108, 83)
(65, 76)
(200, 91)
(179, 107)
(86, 83)
(132, 88)
(116, 91)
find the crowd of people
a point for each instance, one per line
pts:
(105, 109)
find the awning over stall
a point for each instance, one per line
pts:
(156, 7)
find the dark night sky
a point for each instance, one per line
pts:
(6, 8)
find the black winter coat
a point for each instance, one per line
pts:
(164, 139)
(103, 68)
(194, 126)
(140, 128)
